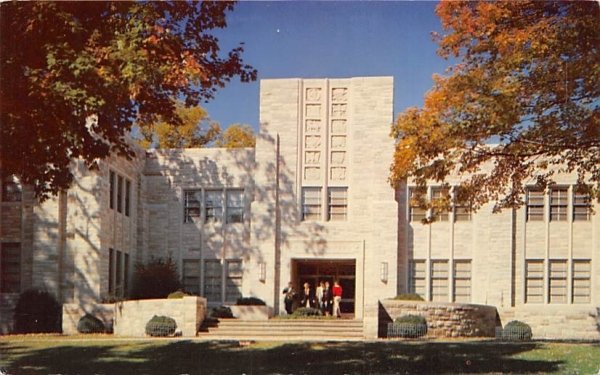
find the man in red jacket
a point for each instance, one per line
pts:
(337, 297)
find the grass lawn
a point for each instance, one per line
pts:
(85, 355)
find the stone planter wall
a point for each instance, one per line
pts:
(72, 312)
(131, 316)
(443, 319)
(247, 312)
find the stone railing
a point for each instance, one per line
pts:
(443, 319)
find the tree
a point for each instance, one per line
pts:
(76, 76)
(236, 136)
(195, 130)
(526, 79)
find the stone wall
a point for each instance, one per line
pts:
(443, 319)
(131, 316)
(72, 312)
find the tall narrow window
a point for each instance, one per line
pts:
(416, 212)
(235, 206)
(462, 281)
(126, 275)
(213, 205)
(233, 286)
(557, 282)
(558, 204)
(191, 211)
(462, 208)
(439, 280)
(439, 194)
(191, 276)
(311, 203)
(119, 193)
(534, 281)
(10, 267)
(213, 271)
(111, 271)
(127, 196)
(417, 271)
(119, 274)
(112, 190)
(582, 272)
(338, 203)
(582, 205)
(535, 205)
(11, 189)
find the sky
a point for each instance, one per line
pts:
(329, 40)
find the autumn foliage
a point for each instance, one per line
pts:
(521, 100)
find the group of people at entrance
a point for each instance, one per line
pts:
(323, 297)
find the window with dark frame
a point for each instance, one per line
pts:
(12, 191)
(338, 203)
(213, 206)
(213, 271)
(582, 205)
(534, 281)
(311, 203)
(126, 274)
(191, 276)
(559, 204)
(10, 267)
(191, 211)
(436, 194)
(127, 196)
(417, 213)
(557, 280)
(417, 279)
(439, 280)
(119, 274)
(112, 189)
(235, 206)
(119, 193)
(535, 205)
(111, 272)
(582, 276)
(462, 280)
(233, 281)
(462, 209)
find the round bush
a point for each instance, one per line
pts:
(161, 326)
(90, 324)
(306, 311)
(37, 311)
(411, 326)
(250, 301)
(408, 297)
(221, 312)
(517, 331)
(176, 295)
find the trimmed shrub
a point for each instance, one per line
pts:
(156, 279)
(250, 301)
(178, 294)
(37, 311)
(161, 326)
(516, 331)
(410, 326)
(409, 297)
(306, 312)
(90, 324)
(221, 312)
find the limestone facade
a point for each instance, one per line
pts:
(310, 202)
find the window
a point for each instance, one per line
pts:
(235, 206)
(127, 196)
(534, 281)
(111, 267)
(119, 273)
(191, 276)
(126, 275)
(558, 204)
(462, 281)
(191, 211)
(416, 212)
(338, 203)
(557, 282)
(213, 205)
(212, 280)
(535, 205)
(233, 285)
(112, 190)
(439, 280)
(416, 271)
(10, 265)
(582, 272)
(582, 205)
(462, 209)
(438, 193)
(119, 193)
(311, 203)
(11, 189)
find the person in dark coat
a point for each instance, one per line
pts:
(307, 296)
(326, 300)
(290, 296)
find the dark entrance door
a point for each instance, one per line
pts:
(313, 271)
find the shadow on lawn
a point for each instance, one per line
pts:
(293, 358)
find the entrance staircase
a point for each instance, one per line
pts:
(284, 330)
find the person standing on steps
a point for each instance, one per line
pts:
(337, 297)
(326, 300)
(307, 296)
(290, 296)
(319, 295)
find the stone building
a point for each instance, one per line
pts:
(311, 202)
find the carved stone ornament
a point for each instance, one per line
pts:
(338, 141)
(338, 110)
(313, 141)
(339, 94)
(312, 157)
(338, 126)
(313, 126)
(338, 157)
(313, 110)
(312, 173)
(313, 94)
(338, 173)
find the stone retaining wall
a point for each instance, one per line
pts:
(131, 316)
(72, 312)
(443, 319)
